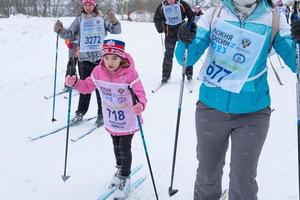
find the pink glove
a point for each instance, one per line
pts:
(137, 108)
(70, 81)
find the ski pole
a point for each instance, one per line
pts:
(298, 108)
(275, 72)
(162, 43)
(144, 142)
(54, 85)
(64, 176)
(281, 65)
(298, 94)
(171, 190)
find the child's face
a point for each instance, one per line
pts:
(171, 2)
(88, 8)
(112, 62)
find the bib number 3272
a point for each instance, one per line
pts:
(93, 40)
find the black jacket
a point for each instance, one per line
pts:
(160, 20)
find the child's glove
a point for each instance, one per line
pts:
(137, 108)
(70, 81)
(58, 26)
(111, 16)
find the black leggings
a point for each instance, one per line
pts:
(122, 150)
(85, 69)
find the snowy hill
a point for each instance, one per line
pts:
(32, 170)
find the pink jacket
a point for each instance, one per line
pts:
(123, 75)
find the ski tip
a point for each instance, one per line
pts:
(31, 139)
(72, 140)
(46, 98)
(64, 178)
(152, 91)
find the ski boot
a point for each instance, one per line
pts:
(77, 119)
(99, 122)
(115, 180)
(123, 188)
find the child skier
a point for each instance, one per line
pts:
(91, 27)
(234, 97)
(112, 77)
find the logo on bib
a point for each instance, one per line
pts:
(122, 99)
(239, 58)
(121, 90)
(246, 42)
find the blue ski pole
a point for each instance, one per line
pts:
(134, 99)
(171, 190)
(64, 176)
(294, 18)
(54, 85)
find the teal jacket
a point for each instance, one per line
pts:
(255, 94)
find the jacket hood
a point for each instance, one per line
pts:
(259, 10)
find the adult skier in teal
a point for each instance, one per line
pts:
(234, 96)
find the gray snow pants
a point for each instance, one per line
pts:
(247, 132)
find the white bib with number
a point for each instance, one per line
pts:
(92, 34)
(172, 14)
(116, 107)
(232, 54)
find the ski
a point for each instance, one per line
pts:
(133, 187)
(158, 87)
(59, 129)
(190, 85)
(85, 134)
(57, 94)
(111, 190)
(74, 94)
(224, 195)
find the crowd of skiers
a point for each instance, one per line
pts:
(234, 97)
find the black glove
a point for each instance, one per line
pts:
(160, 30)
(187, 32)
(295, 30)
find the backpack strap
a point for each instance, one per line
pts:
(275, 30)
(275, 26)
(214, 12)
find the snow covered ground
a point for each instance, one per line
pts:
(32, 170)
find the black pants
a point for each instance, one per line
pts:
(170, 43)
(85, 69)
(122, 150)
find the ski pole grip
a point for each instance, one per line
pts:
(132, 95)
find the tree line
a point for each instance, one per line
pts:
(61, 8)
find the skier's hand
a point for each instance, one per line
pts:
(295, 30)
(137, 108)
(160, 29)
(111, 16)
(58, 26)
(71, 81)
(187, 32)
